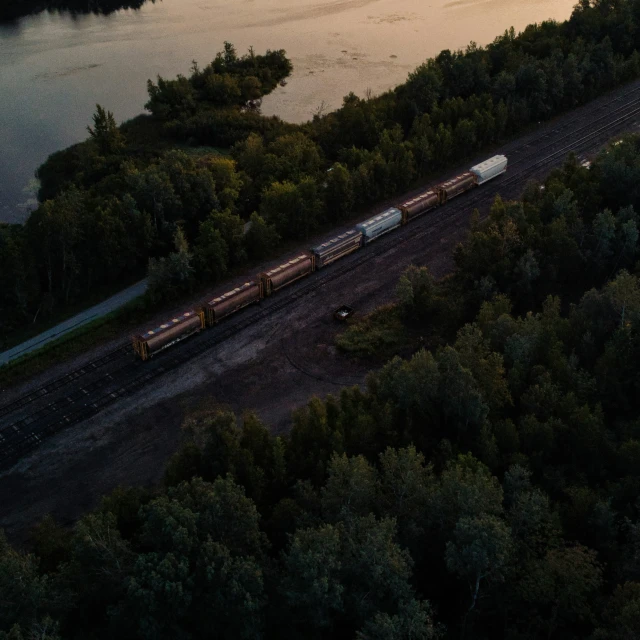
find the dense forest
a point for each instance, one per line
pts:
(171, 191)
(13, 9)
(484, 487)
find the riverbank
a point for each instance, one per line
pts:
(66, 64)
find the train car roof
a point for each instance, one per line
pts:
(183, 317)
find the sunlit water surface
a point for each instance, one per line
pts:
(55, 68)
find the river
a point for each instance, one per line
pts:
(54, 68)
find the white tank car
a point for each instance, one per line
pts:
(489, 169)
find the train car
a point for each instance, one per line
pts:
(232, 301)
(337, 247)
(168, 333)
(420, 204)
(384, 222)
(489, 169)
(287, 273)
(456, 186)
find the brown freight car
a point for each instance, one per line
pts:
(232, 301)
(286, 273)
(456, 186)
(168, 333)
(422, 203)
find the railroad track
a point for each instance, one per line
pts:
(23, 434)
(60, 382)
(124, 348)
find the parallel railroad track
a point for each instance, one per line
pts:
(130, 375)
(124, 348)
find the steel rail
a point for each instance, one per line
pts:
(13, 442)
(124, 348)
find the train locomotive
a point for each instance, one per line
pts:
(265, 284)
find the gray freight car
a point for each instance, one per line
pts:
(489, 169)
(456, 186)
(337, 247)
(420, 204)
(232, 301)
(168, 333)
(286, 273)
(380, 224)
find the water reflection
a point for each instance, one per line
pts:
(55, 67)
(12, 10)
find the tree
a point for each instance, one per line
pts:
(23, 592)
(462, 401)
(50, 543)
(294, 209)
(222, 89)
(621, 614)
(466, 490)
(230, 595)
(231, 229)
(339, 196)
(224, 514)
(311, 585)
(226, 178)
(211, 253)
(375, 569)
(19, 288)
(159, 594)
(415, 291)
(414, 621)
(251, 88)
(486, 366)
(45, 629)
(261, 239)
(105, 132)
(171, 276)
(350, 489)
(100, 559)
(54, 231)
(292, 157)
(559, 587)
(480, 551)
(171, 99)
(406, 483)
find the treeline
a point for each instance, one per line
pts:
(300, 177)
(484, 488)
(14, 9)
(127, 198)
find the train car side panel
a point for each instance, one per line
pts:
(489, 169)
(456, 186)
(384, 222)
(168, 333)
(232, 301)
(337, 247)
(418, 205)
(287, 273)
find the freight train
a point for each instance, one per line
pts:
(264, 284)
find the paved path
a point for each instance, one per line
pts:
(101, 309)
